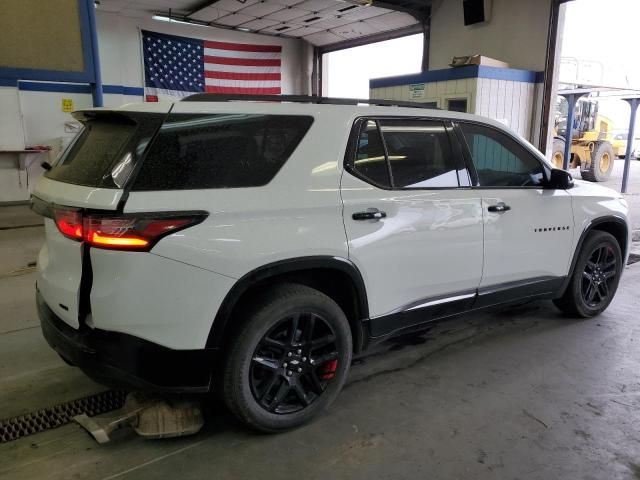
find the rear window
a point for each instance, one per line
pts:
(220, 151)
(106, 150)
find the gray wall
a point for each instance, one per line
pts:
(516, 33)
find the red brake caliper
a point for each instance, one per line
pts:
(328, 370)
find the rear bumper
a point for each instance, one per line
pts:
(123, 361)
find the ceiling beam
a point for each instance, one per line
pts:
(420, 10)
(376, 37)
(202, 5)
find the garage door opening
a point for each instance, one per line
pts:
(346, 73)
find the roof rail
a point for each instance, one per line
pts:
(215, 97)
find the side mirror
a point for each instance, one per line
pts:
(560, 179)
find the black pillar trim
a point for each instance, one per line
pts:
(549, 66)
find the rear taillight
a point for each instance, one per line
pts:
(69, 222)
(138, 232)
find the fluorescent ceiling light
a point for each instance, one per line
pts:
(165, 18)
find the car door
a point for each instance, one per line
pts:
(413, 224)
(528, 229)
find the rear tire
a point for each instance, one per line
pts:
(595, 277)
(601, 164)
(289, 360)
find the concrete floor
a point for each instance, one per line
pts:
(519, 393)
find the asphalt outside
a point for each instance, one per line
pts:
(633, 190)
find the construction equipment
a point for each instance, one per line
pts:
(591, 142)
(619, 143)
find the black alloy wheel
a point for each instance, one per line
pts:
(594, 279)
(293, 363)
(598, 274)
(288, 359)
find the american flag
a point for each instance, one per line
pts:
(180, 66)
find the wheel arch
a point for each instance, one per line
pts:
(613, 224)
(336, 277)
(617, 227)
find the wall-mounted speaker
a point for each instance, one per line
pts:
(476, 11)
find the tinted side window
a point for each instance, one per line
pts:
(220, 151)
(419, 154)
(370, 161)
(499, 160)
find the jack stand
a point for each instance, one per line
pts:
(149, 417)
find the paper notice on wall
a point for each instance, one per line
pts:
(416, 90)
(67, 105)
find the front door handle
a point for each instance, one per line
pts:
(371, 214)
(499, 207)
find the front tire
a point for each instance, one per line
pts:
(595, 278)
(289, 360)
(601, 164)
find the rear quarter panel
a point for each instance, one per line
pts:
(171, 295)
(297, 214)
(154, 298)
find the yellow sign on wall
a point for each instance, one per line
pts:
(67, 105)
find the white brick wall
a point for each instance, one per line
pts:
(513, 103)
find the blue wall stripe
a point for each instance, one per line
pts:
(526, 76)
(113, 89)
(511, 74)
(8, 82)
(133, 91)
(70, 87)
(54, 87)
(426, 77)
(459, 73)
(122, 90)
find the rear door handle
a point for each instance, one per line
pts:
(499, 207)
(371, 214)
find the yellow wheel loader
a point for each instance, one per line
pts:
(591, 143)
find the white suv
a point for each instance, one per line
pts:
(252, 247)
